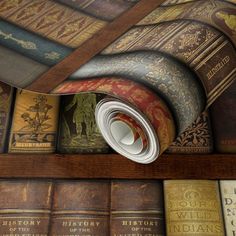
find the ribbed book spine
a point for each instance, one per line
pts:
(193, 207)
(6, 94)
(51, 20)
(195, 139)
(228, 198)
(18, 70)
(34, 123)
(25, 207)
(136, 208)
(224, 121)
(81, 208)
(32, 45)
(102, 9)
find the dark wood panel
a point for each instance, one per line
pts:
(215, 166)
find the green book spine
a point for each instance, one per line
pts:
(78, 132)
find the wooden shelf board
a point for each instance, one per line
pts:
(168, 166)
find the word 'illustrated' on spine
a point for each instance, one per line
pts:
(34, 125)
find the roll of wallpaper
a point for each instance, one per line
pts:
(159, 76)
(148, 116)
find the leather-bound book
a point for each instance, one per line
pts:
(25, 207)
(193, 207)
(228, 198)
(223, 117)
(78, 132)
(136, 208)
(81, 208)
(34, 123)
(197, 138)
(102, 9)
(54, 21)
(6, 93)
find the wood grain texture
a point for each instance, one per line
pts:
(92, 46)
(215, 166)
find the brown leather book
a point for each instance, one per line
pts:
(136, 208)
(6, 94)
(81, 208)
(102, 9)
(34, 123)
(25, 207)
(197, 138)
(223, 117)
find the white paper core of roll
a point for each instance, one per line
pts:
(118, 134)
(124, 136)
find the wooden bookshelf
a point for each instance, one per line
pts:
(168, 166)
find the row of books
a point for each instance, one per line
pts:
(37, 123)
(117, 207)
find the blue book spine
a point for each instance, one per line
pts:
(32, 45)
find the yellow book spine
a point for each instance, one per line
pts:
(34, 125)
(193, 208)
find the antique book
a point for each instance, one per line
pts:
(136, 208)
(78, 132)
(25, 207)
(34, 123)
(228, 198)
(223, 117)
(81, 208)
(192, 207)
(102, 9)
(6, 98)
(32, 45)
(197, 138)
(13, 63)
(52, 20)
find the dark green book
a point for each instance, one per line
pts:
(6, 93)
(78, 132)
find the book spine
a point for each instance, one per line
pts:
(25, 207)
(34, 124)
(195, 139)
(102, 9)
(193, 207)
(51, 20)
(218, 14)
(32, 45)
(136, 208)
(81, 208)
(78, 132)
(6, 98)
(26, 69)
(209, 54)
(228, 198)
(224, 121)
